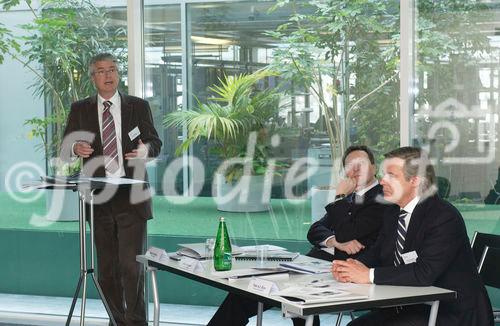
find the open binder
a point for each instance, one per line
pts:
(271, 256)
(197, 250)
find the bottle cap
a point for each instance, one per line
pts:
(221, 219)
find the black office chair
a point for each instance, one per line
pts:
(480, 241)
(489, 266)
(444, 187)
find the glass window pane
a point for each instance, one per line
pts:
(163, 84)
(350, 94)
(456, 109)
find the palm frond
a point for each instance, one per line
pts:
(236, 109)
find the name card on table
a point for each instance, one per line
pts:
(262, 286)
(191, 265)
(157, 254)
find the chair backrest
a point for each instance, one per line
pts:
(489, 267)
(480, 241)
(443, 185)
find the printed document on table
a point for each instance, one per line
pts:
(319, 292)
(268, 247)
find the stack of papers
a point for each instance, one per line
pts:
(60, 179)
(268, 247)
(197, 250)
(318, 292)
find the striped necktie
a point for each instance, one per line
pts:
(400, 238)
(109, 148)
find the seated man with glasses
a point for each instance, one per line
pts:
(425, 243)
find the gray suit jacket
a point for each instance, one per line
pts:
(135, 112)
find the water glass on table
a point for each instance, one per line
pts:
(261, 255)
(209, 251)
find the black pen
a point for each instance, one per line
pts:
(259, 274)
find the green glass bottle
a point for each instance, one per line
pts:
(222, 250)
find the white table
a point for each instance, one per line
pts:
(378, 295)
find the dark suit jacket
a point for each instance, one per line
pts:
(135, 112)
(360, 219)
(438, 235)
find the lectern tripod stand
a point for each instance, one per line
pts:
(85, 188)
(86, 194)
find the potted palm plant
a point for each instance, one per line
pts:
(236, 122)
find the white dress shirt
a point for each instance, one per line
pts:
(408, 208)
(115, 111)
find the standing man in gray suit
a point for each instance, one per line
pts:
(123, 138)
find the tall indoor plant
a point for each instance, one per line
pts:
(237, 118)
(346, 54)
(323, 49)
(61, 38)
(325, 45)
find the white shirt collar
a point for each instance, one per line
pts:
(366, 189)
(114, 99)
(412, 204)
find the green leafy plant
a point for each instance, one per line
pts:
(237, 109)
(345, 53)
(325, 46)
(61, 38)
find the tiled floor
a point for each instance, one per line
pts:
(51, 311)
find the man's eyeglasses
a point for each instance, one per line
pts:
(103, 72)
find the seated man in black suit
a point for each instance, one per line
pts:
(351, 223)
(424, 244)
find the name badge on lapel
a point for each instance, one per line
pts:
(409, 257)
(134, 133)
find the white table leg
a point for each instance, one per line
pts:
(156, 301)
(260, 311)
(434, 313)
(309, 320)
